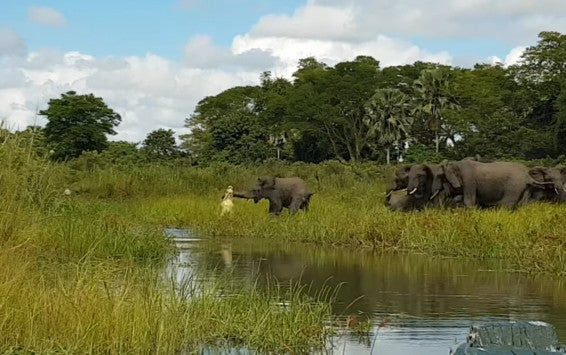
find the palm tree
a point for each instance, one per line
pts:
(433, 89)
(388, 117)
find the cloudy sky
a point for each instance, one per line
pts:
(152, 61)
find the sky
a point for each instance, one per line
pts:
(153, 61)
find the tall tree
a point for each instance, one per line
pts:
(388, 115)
(542, 72)
(160, 145)
(227, 127)
(331, 100)
(434, 94)
(78, 123)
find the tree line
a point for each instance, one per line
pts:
(352, 111)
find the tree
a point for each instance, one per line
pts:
(542, 74)
(433, 90)
(388, 113)
(272, 107)
(121, 153)
(160, 145)
(78, 123)
(331, 100)
(227, 127)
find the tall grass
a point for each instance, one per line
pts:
(533, 238)
(81, 275)
(102, 308)
(347, 209)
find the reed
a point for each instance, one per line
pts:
(81, 275)
(106, 308)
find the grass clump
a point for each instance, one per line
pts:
(83, 276)
(103, 308)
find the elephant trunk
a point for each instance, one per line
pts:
(246, 195)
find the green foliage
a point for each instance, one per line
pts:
(434, 95)
(160, 145)
(78, 123)
(418, 153)
(388, 116)
(227, 127)
(332, 112)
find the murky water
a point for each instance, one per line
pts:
(430, 303)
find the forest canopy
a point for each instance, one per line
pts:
(352, 111)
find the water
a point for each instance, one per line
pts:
(430, 302)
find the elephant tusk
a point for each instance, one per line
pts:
(413, 191)
(556, 190)
(389, 193)
(434, 194)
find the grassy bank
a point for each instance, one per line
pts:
(532, 238)
(82, 275)
(347, 209)
(90, 264)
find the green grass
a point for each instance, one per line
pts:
(105, 308)
(84, 270)
(81, 275)
(532, 239)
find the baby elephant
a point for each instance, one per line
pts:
(291, 193)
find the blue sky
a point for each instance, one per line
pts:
(153, 61)
(121, 28)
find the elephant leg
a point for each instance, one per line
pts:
(510, 200)
(275, 207)
(469, 195)
(296, 203)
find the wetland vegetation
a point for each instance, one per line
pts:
(82, 219)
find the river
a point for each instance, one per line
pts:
(425, 304)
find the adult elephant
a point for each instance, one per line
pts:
(429, 186)
(291, 193)
(555, 180)
(490, 184)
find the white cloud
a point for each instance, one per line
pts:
(289, 50)
(200, 52)
(513, 57)
(152, 92)
(507, 20)
(11, 43)
(46, 16)
(149, 92)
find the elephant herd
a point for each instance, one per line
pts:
(473, 182)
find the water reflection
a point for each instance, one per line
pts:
(431, 301)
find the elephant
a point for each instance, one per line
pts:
(428, 184)
(291, 193)
(491, 184)
(403, 202)
(399, 181)
(555, 190)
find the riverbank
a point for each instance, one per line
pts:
(80, 274)
(532, 239)
(90, 262)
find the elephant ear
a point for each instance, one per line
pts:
(538, 173)
(453, 175)
(267, 182)
(436, 175)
